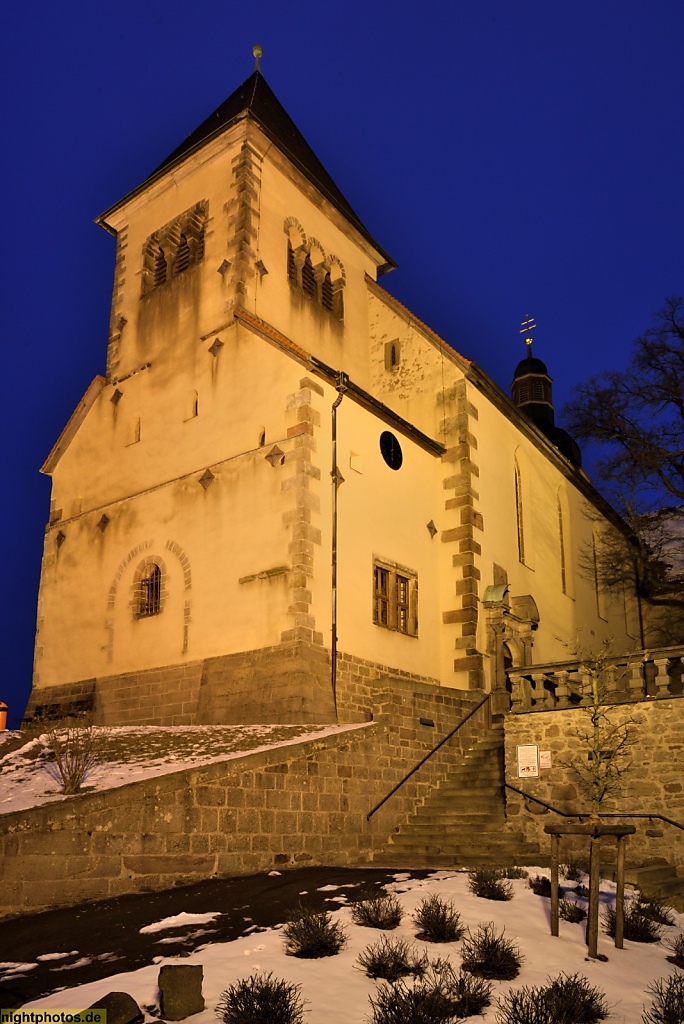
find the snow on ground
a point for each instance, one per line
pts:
(131, 753)
(337, 991)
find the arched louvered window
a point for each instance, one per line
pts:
(291, 265)
(182, 256)
(149, 591)
(308, 279)
(160, 267)
(327, 293)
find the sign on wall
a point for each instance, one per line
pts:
(527, 757)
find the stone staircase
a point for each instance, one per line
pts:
(660, 881)
(462, 822)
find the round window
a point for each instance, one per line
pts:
(391, 450)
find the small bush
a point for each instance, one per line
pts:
(575, 869)
(540, 885)
(574, 1001)
(668, 1002)
(470, 995)
(677, 949)
(637, 927)
(654, 910)
(438, 920)
(381, 911)
(571, 911)
(489, 955)
(489, 884)
(310, 935)
(581, 890)
(523, 1006)
(439, 997)
(515, 873)
(261, 998)
(392, 959)
(568, 999)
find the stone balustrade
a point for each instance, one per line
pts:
(566, 684)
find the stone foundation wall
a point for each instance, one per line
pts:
(285, 684)
(653, 784)
(301, 804)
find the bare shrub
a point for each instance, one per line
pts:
(540, 885)
(261, 998)
(668, 1001)
(571, 911)
(438, 920)
(76, 747)
(637, 927)
(379, 911)
(567, 999)
(392, 959)
(489, 884)
(487, 954)
(310, 935)
(676, 946)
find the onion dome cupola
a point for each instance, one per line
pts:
(532, 392)
(531, 387)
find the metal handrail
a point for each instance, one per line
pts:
(565, 814)
(428, 756)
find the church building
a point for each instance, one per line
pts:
(287, 488)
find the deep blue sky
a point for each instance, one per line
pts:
(512, 157)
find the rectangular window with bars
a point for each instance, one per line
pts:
(395, 598)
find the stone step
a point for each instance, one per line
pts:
(456, 819)
(471, 805)
(474, 856)
(474, 798)
(456, 844)
(487, 829)
(653, 874)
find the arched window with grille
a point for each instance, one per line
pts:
(149, 591)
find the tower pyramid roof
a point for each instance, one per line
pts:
(257, 101)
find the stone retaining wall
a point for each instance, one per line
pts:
(653, 784)
(300, 804)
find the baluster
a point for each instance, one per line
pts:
(539, 695)
(524, 693)
(635, 682)
(562, 689)
(662, 679)
(609, 680)
(585, 685)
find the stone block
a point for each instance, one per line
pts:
(119, 1007)
(180, 986)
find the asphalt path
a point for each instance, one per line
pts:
(107, 934)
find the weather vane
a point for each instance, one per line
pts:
(257, 53)
(526, 327)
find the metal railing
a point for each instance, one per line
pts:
(428, 756)
(580, 817)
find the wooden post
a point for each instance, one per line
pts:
(620, 894)
(594, 882)
(555, 843)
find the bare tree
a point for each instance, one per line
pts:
(635, 417)
(604, 738)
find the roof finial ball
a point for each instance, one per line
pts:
(257, 53)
